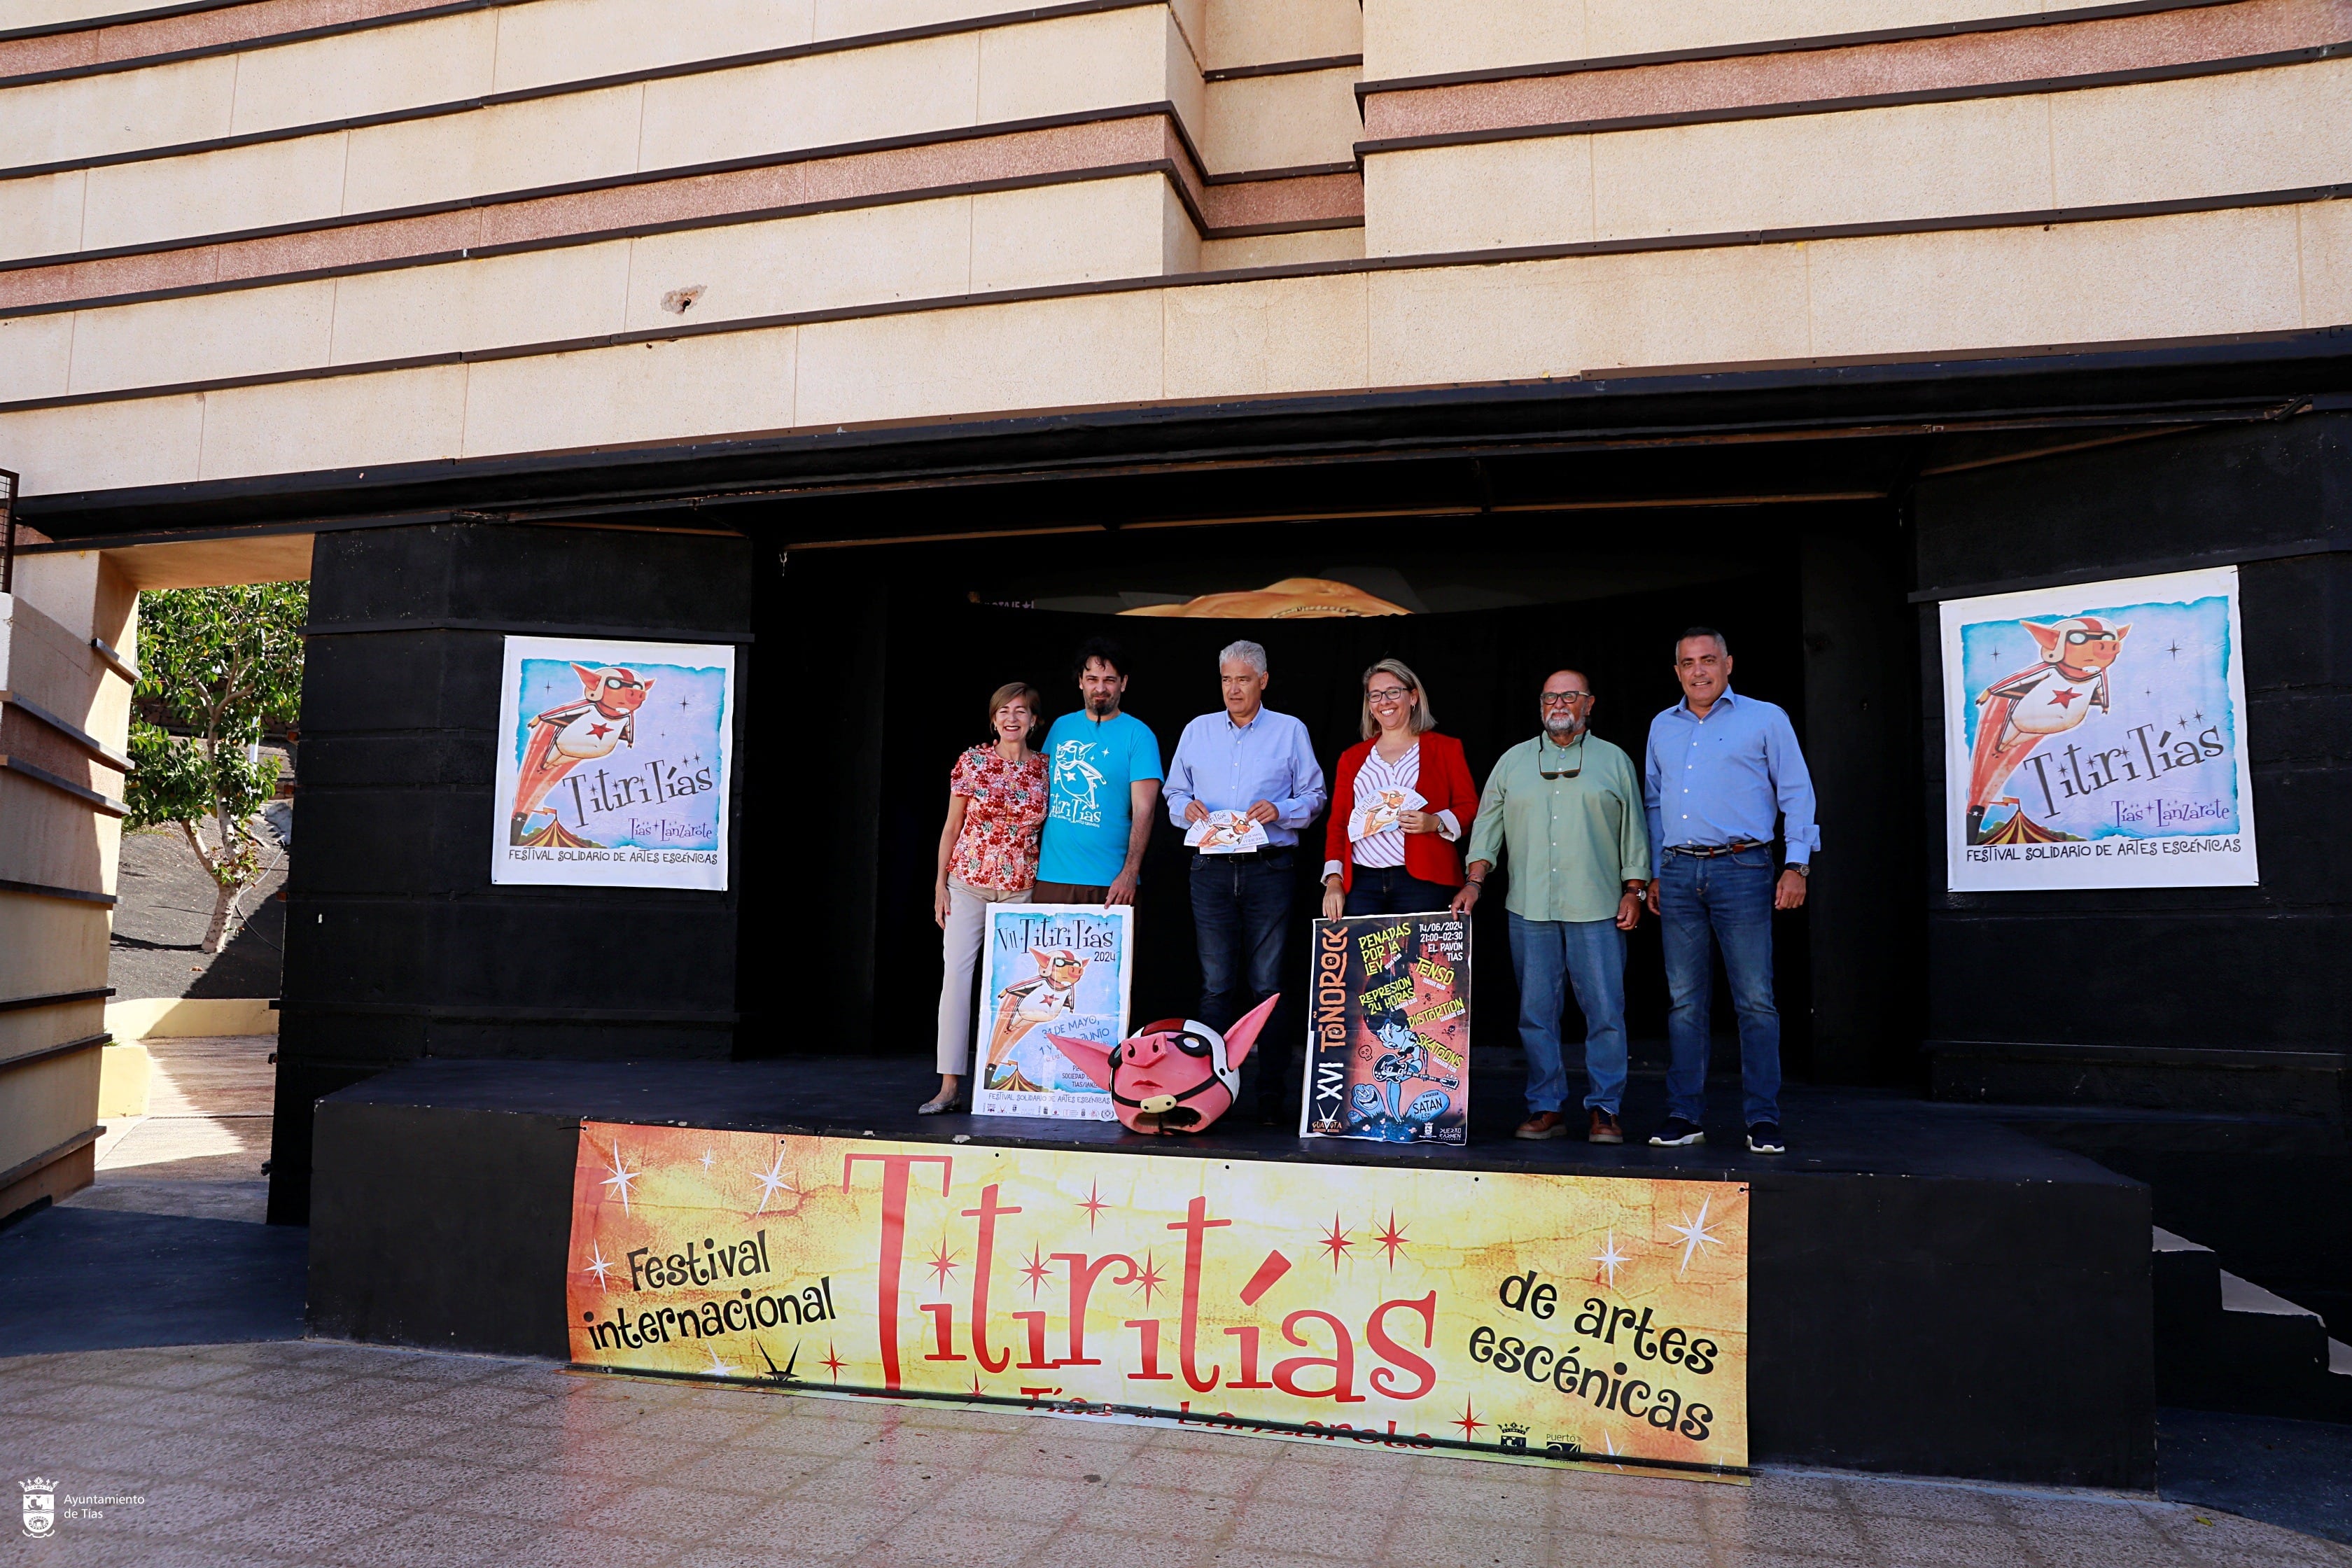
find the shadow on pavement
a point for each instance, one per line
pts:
(91, 1278)
(2298, 1474)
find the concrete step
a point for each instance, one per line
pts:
(2224, 1342)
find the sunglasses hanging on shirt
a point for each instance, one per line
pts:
(1544, 748)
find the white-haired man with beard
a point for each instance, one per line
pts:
(1565, 810)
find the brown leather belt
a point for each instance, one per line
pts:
(1713, 851)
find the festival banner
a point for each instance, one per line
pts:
(1501, 1314)
(2094, 737)
(613, 763)
(1048, 970)
(1388, 1038)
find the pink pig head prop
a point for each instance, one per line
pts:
(1175, 1075)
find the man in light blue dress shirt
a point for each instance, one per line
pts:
(1721, 769)
(1245, 759)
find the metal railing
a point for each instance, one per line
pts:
(7, 531)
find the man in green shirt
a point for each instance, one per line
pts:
(1566, 808)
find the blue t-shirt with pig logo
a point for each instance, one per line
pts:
(1090, 764)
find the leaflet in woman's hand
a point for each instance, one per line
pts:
(1377, 812)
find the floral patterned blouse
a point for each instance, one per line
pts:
(997, 848)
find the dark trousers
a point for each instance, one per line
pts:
(1241, 913)
(1391, 890)
(1067, 893)
(1724, 903)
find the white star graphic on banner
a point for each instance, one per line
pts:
(621, 1177)
(707, 1158)
(1694, 1234)
(771, 1179)
(1609, 1258)
(598, 1266)
(716, 1368)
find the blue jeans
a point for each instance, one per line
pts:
(1390, 891)
(1241, 904)
(1591, 955)
(1727, 899)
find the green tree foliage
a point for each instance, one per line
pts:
(225, 664)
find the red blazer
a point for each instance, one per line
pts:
(1445, 787)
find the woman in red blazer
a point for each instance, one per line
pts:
(1383, 854)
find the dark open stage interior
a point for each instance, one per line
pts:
(1921, 1277)
(930, 629)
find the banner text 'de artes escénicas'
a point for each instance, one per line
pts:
(1513, 1315)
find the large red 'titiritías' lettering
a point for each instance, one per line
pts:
(983, 1260)
(893, 1247)
(1386, 1347)
(1195, 1224)
(1083, 1274)
(1341, 1363)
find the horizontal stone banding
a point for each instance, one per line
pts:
(1418, 263)
(2029, 57)
(262, 22)
(1095, 149)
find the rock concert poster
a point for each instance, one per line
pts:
(1388, 1053)
(614, 761)
(2095, 737)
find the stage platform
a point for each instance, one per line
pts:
(1930, 1292)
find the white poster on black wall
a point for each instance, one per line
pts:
(2094, 737)
(613, 763)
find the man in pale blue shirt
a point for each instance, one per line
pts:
(1721, 769)
(1249, 760)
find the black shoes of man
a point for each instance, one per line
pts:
(1764, 1138)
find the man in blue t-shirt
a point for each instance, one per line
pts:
(1103, 768)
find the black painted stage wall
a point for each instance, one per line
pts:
(397, 946)
(2203, 1028)
(2255, 969)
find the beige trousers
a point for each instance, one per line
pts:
(967, 920)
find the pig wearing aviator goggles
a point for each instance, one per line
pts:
(1175, 1075)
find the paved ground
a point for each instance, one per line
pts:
(2295, 1473)
(252, 1456)
(200, 1148)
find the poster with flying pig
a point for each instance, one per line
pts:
(1048, 970)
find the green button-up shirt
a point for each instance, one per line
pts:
(1573, 843)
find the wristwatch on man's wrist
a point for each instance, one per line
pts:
(1802, 869)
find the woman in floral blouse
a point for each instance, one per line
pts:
(988, 855)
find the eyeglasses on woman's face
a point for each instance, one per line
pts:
(1390, 693)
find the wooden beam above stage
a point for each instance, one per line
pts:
(216, 562)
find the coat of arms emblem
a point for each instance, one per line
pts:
(40, 1506)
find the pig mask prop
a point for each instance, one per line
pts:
(1176, 1076)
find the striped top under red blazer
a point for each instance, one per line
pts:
(1445, 786)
